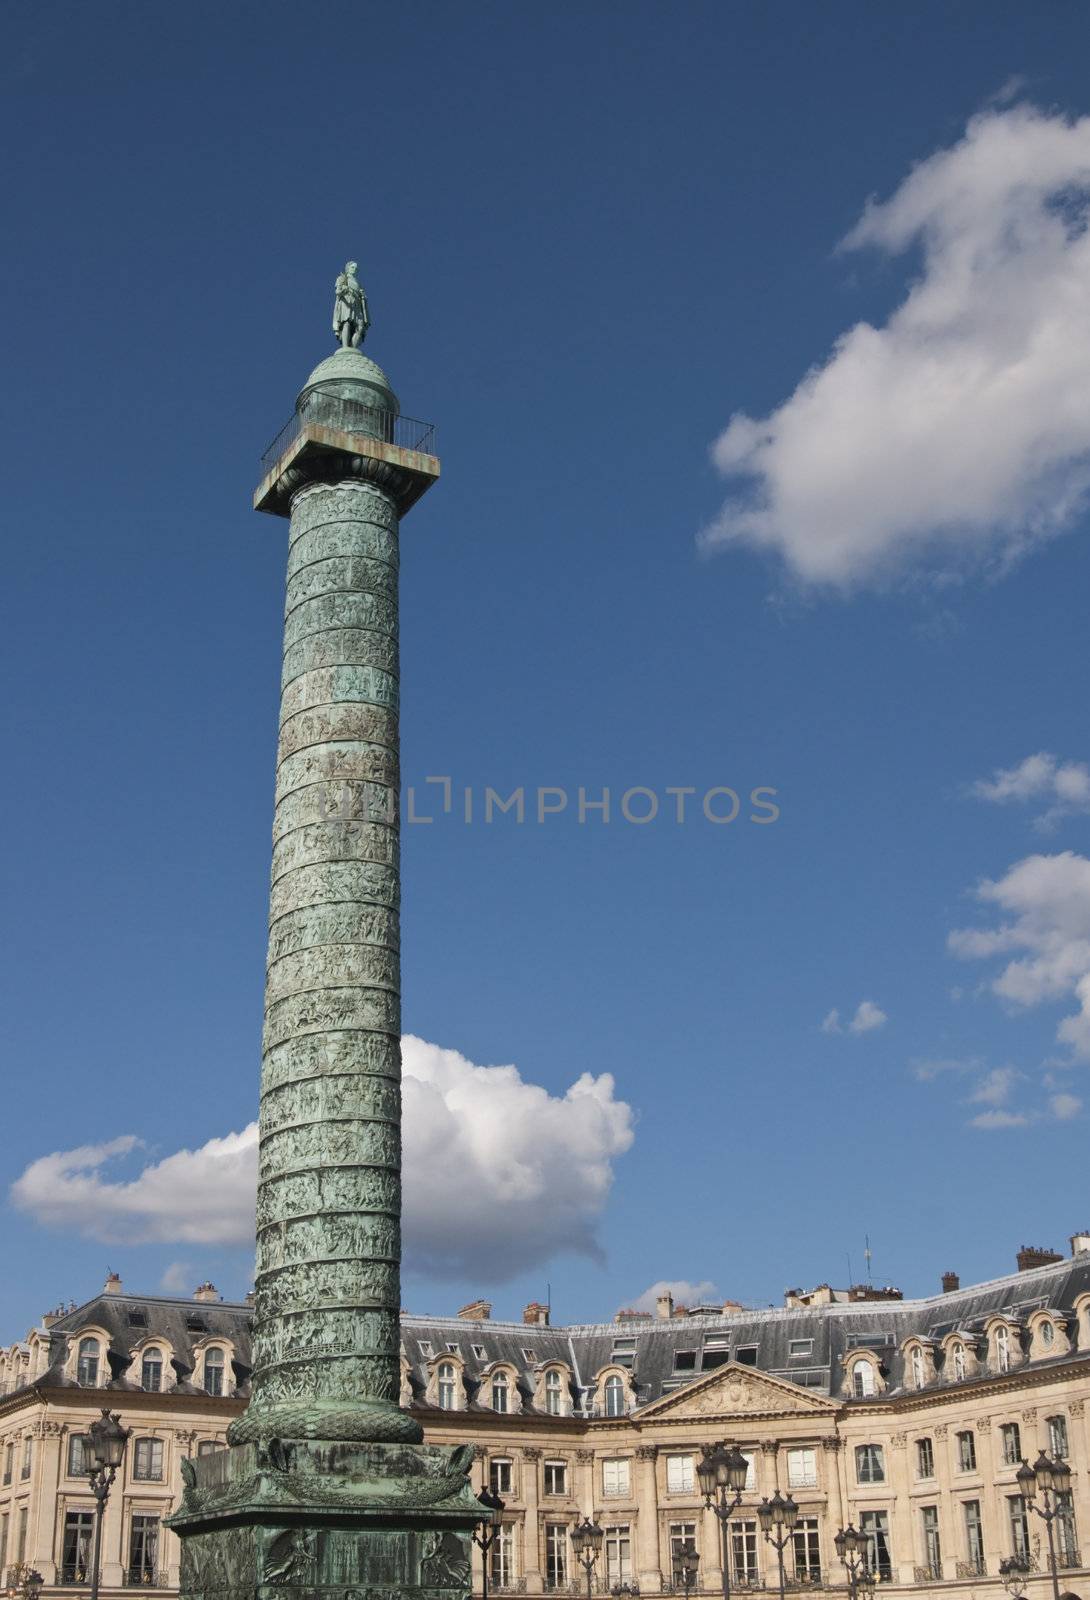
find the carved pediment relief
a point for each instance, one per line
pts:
(737, 1391)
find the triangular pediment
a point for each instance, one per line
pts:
(736, 1391)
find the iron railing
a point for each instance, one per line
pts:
(977, 1567)
(352, 417)
(145, 1578)
(930, 1572)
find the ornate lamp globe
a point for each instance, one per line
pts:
(766, 1514)
(737, 1469)
(1044, 1472)
(1061, 1476)
(790, 1513)
(108, 1439)
(706, 1474)
(1026, 1479)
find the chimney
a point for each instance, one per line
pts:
(1031, 1256)
(535, 1312)
(950, 1282)
(206, 1291)
(250, 1297)
(1080, 1242)
(664, 1306)
(112, 1284)
(476, 1311)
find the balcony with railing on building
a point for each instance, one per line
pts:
(355, 418)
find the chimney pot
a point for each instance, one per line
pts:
(112, 1284)
(1032, 1255)
(1080, 1242)
(536, 1313)
(476, 1311)
(950, 1282)
(206, 1291)
(664, 1306)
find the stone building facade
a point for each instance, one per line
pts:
(907, 1418)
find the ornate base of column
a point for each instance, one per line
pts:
(373, 1422)
(327, 1520)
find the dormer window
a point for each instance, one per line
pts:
(500, 1391)
(87, 1364)
(446, 1386)
(213, 1371)
(151, 1371)
(917, 1367)
(863, 1385)
(614, 1396)
(553, 1393)
(959, 1362)
(1048, 1335)
(1003, 1349)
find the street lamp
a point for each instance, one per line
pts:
(778, 1517)
(107, 1440)
(688, 1563)
(586, 1542)
(722, 1472)
(851, 1549)
(24, 1582)
(1053, 1478)
(487, 1532)
(1014, 1572)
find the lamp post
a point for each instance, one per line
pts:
(1052, 1477)
(1014, 1572)
(722, 1472)
(487, 1532)
(24, 1582)
(778, 1517)
(107, 1440)
(688, 1563)
(586, 1542)
(851, 1548)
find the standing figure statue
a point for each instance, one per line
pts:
(350, 318)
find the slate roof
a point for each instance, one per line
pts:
(649, 1347)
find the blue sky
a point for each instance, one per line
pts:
(590, 240)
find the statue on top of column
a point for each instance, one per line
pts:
(350, 318)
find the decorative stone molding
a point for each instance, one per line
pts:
(1077, 1407)
(898, 1440)
(768, 1447)
(531, 1452)
(1030, 1414)
(983, 1424)
(831, 1443)
(941, 1430)
(584, 1455)
(479, 1452)
(646, 1452)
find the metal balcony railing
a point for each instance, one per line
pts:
(352, 417)
(975, 1568)
(145, 1578)
(930, 1572)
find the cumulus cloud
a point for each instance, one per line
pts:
(1000, 1119)
(958, 432)
(178, 1278)
(685, 1294)
(927, 1068)
(996, 1087)
(497, 1171)
(867, 1017)
(1064, 784)
(1044, 903)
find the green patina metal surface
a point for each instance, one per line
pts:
(326, 1485)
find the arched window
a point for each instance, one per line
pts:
(553, 1393)
(446, 1386)
(862, 1379)
(151, 1371)
(1048, 1334)
(614, 1396)
(87, 1367)
(210, 1447)
(499, 1391)
(917, 1367)
(1003, 1349)
(959, 1362)
(213, 1370)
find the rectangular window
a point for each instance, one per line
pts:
(210, 1447)
(875, 1525)
(807, 1550)
(143, 1549)
(624, 1352)
(501, 1475)
(618, 1548)
(1019, 1526)
(751, 1470)
(746, 1354)
(556, 1477)
(802, 1469)
(503, 1557)
(870, 1466)
(453, 1350)
(684, 1360)
(743, 1552)
(76, 1550)
(148, 1460)
(925, 1458)
(932, 1550)
(79, 1464)
(1067, 1545)
(1057, 1437)
(679, 1474)
(28, 1445)
(556, 1555)
(9, 1457)
(716, 1353)
(616, 1476)
(20, 1543)
(1011, 1443)
(800, 1349)
(974, 1537)
(3, 1543)
(426, 1348)
(682, 1538)
(967, 1451)
(478, 1351)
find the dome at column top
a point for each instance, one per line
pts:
(350, 375)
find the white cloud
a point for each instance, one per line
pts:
(926, 1069)
(1065, 1106)
(957, 433)
(499, 1174)
(178, 1278)
(1000, 1119)
(1040, 777)
(685, 1294)
(867, 1017)
(995, 1087)
(1046, 904)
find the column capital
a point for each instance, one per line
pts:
(646, 1452)
(831, 1443)
(584, 1455)
(531, 1452)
